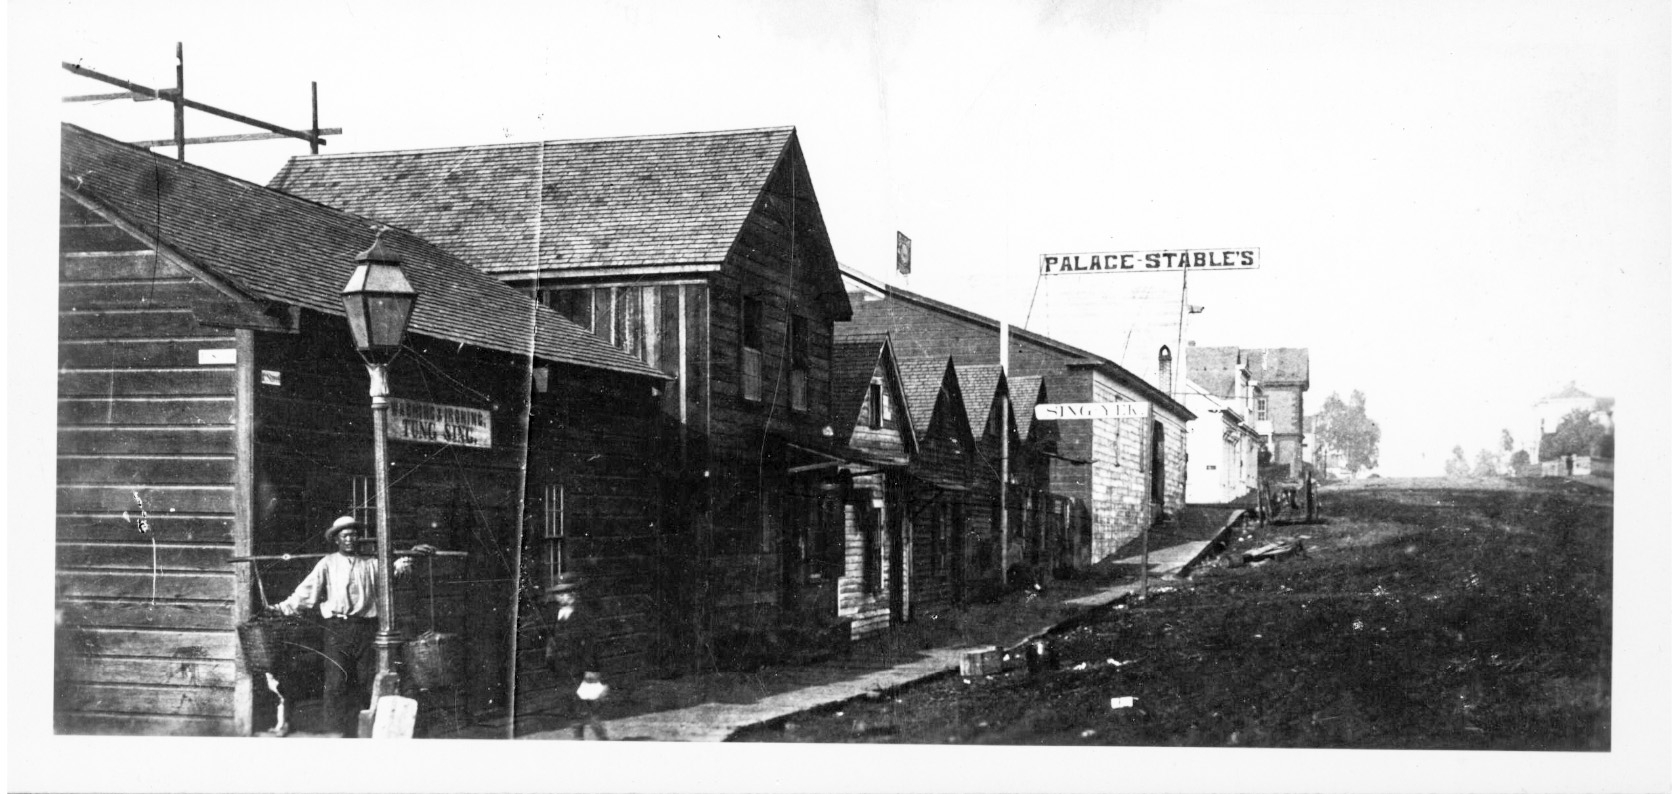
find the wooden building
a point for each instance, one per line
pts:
(211, 406)
(1121, 474)
(705, 255)
(940, 479)
(873, 430)
(985, 391)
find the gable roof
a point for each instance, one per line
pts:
(1281, 365)
(922, 380)
(854, 359)
(1078, 357)
(266, 245)
(1569, 392)
(601, 202)
(1024, 392)
(979, 385)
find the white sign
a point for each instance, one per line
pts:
(1118, 410)
(1150, 261)
(217, 355)
(429, 423)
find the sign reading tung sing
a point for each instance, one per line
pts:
(1150, 261)
(429, 423)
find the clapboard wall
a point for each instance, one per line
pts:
(591, 436)
(773, 263)
(145, 640)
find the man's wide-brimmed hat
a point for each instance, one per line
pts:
(343, 523)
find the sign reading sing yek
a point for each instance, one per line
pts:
(429, 423)
(1150, 261)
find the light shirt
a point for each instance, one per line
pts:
(343, 587)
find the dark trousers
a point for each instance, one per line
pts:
(350, 666)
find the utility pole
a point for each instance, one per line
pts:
(178, 99)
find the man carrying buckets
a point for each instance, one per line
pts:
(571, 652)
(345, 586)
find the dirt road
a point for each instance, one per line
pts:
(1424, 614)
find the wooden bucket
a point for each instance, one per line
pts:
(436, 660)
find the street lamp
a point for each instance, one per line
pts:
(378, 301)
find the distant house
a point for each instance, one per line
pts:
(1547, 414)
(1280, 377)
(1120, 474)
(704, 255)
(211, 406)
(1223, 449)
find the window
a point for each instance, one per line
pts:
(872, 407)
(576, 305)
(868, 523)
(364, 505)
(798, 381)
(751, 349)
(1263, 410)
(554, 557)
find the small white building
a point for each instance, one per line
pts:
(1222, 447)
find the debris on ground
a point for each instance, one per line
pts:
(1123, 702)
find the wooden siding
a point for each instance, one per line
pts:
(592, 433)
(144, 640)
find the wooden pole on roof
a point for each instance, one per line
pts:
(180, 108)
(314, 118)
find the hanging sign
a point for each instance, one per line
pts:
(1113, 410)
(1149, 261)
(429, 423)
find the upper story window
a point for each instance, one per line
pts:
(576, 305)
(624, 316)
(1263, 410)
(798, 377)
(874, 406)
(751, 348)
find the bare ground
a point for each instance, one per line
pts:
(1424, 614)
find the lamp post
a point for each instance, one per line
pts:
(378, 301)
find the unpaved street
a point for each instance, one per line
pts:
(1424, 614)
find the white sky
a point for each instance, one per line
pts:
(1461, 205)
(1455, 201)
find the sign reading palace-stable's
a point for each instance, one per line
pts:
(430, 423)
(1150, 261)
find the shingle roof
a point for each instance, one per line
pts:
(604, 202)
(1023, 392)
(978, 386)
(854, 359)
(1146, 390)
(922, 378)
(277, 247)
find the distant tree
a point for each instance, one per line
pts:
(1508, 441)
(1576, 434)
(1345, 433)
(1457, 467)
(1485, 464)
(1520, 459)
